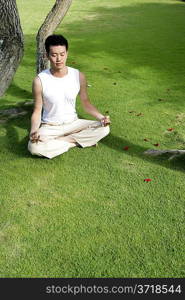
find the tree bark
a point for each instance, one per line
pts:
(51, 22)
(11, 42)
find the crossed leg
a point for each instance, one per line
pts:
(53, 144)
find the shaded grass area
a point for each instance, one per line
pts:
(89, 213)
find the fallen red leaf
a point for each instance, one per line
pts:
(156, 145)
(147, 179)
(126, 148)
(170, 129)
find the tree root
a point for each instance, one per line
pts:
(174, 153)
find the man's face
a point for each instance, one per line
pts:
(57, 57)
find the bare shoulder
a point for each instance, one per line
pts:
(37, 82)
(37, 94)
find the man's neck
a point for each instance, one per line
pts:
(60, 72)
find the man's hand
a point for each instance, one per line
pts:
(105, 121)
(34, 137)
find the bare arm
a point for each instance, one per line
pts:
(88, 107)
(36, 115)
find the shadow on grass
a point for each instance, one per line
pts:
(20, 93)
(19, 147)
(12, 140)
(117, 143)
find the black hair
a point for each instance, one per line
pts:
(55, 40)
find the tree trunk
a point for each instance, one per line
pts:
(51, 22)
(11, 42)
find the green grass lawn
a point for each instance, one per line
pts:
(89, 213)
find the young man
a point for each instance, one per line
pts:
(55, 126)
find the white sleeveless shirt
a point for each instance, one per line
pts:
(59, 96)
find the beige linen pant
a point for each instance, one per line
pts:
(85, 132)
